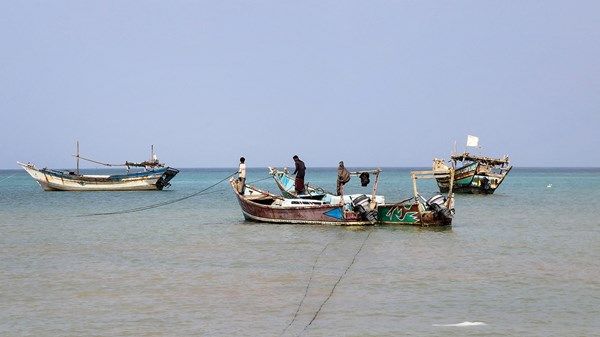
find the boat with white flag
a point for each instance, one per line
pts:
(474, 174)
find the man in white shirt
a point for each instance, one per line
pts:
(242, 175)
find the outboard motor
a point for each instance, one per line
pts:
(485, 182)
(361, 205)
(437, 204)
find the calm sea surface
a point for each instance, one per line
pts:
(523, 262)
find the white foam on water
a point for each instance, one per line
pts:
(467, 323)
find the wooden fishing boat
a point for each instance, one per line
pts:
(321, 207)
(416, 210)
(155, 176)
(263, 206)
(475, 174)
(285, 183)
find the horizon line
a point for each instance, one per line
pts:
(318, 167)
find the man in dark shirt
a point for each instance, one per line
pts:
(299, 172)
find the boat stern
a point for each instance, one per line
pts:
(165, 178)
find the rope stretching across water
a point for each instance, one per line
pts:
(312, 273)
(336, 283)
(10, 176)
(168, 202)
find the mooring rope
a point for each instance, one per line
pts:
(312, 272)
(337, 282)
(160, 204)
(10, 176)
(169, 202)
(88, 215)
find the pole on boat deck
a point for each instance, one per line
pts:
(414, 182)
(451, 181)
(77, 157)
(451, 186)
(342, 190)
(373, 203)
(416, 194)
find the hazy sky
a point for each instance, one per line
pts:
(374, 83)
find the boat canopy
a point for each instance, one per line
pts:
(465, 156)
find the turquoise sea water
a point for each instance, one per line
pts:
(523, 262)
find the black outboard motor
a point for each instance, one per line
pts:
(437, 204)
(163, 181)
(361, 205)
(485, 182)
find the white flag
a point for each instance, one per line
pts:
(472, 141)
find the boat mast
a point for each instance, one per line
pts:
(77, 157)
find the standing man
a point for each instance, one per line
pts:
(342, 178)
(242, 175)
(299, 172)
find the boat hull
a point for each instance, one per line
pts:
(257, 206)
(51, 180)
(409, 214)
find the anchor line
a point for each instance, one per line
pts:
(168, 202)
(10, 176)
(312, 273)
(160, 204)
(336, 283)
